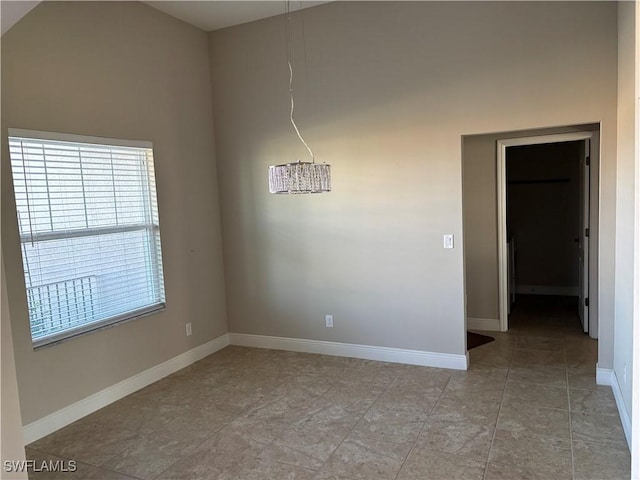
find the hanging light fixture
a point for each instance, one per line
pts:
(298, 177)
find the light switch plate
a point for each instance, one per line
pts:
(448, 240)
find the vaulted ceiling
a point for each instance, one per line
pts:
(206, 15)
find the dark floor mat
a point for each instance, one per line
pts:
(475, 340)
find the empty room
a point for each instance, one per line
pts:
(320, 240)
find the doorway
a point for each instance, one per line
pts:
(545, 195)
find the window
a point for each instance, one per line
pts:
(89, 231)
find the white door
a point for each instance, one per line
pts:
(582, 241)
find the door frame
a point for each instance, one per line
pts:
(584, 223)
(502, 145)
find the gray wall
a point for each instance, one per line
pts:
(12, 439)
(543, 218)
(388, 90)
(120, 70)
(625, 241)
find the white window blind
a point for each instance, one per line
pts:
(89, 231)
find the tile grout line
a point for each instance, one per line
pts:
(222, 427)
(95, 467)
(566, 369)
(283, 382)
(495, 429)
(351, 430)
(425, 423)
(422, 429)
(260, 458)
(357, 422)
(193, 448)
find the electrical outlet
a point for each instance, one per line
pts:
(188, 327)
(328, 320)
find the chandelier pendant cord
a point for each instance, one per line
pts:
(289, 56)
(293, 122)
(298, 177)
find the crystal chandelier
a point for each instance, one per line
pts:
(298, 177)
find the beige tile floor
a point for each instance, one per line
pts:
(527, 408)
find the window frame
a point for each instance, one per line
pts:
(153, 243)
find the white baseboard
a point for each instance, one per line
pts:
(548, 290)
(607, 376)
(491, 324)
(604, 376)
(368, 352)
(622, 410)
(56, 420)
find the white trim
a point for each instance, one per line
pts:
(566, 291)
(368, 352)
(622, 410)
(635, 378)
(608, 377)
(69, 137)
(604, 376)
(69, 414)
(635, 375)
(503, 254)
(491, 324)
(502, 206)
